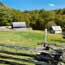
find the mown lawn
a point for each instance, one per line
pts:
(27, 39)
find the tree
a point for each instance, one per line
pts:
(49, 24)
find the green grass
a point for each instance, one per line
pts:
(26, 38)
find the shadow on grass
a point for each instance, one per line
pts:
(60, 41)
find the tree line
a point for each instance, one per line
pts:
(37, 19)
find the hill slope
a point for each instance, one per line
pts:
(6, 15)
(37, 19)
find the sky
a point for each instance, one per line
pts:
(34, 4)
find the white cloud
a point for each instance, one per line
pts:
(51, 4)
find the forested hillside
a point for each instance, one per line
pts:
(37, 19)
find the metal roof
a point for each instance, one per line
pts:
(56, 28)
(19, 24)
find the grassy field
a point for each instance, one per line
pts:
(24, 38)
(27, 39)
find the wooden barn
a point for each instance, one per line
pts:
(56, 29)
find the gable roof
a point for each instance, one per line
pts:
(19, 24)
(56, 28)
